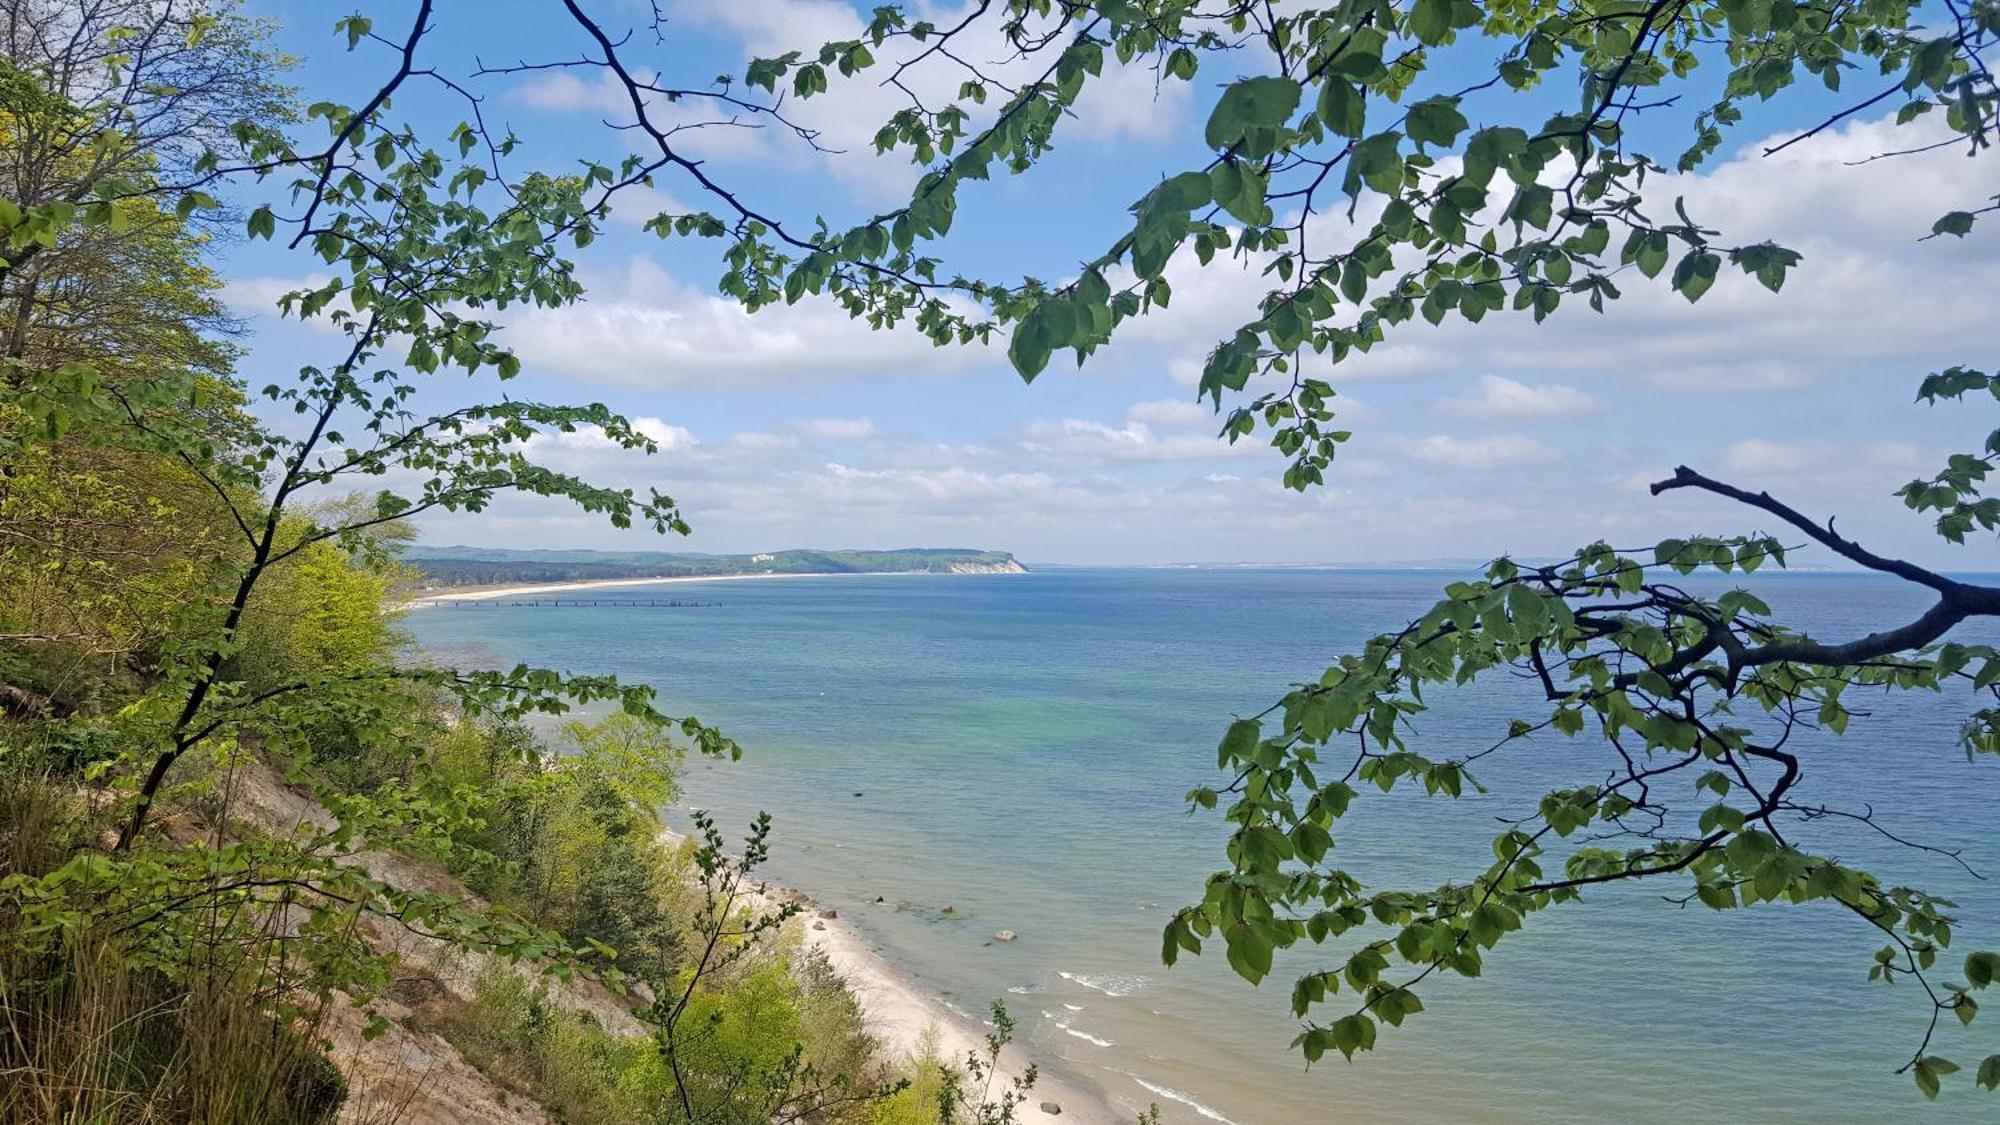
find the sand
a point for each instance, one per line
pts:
(908, 1020)
(902, 1016)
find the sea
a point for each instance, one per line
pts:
(1012, 752)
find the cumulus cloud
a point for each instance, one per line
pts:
(1500, 451)
(1500, 397)
(1769, 457)
(845, 428)
(596, 89)
(1761, 456)
(1866, 300)
(1126, 102)
(1175, 413)
(647, 328)
(1133, 441)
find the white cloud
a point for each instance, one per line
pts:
(1500, 451)
(1124, 103)
(1133, 441)
(758, 440)
(589, 449)
(649, 329)
(1867, 459)
(842, 428)
(1153, 430)
(564, 91)
(1501, 397)
(638, 204)
(259, 296)
(1174, 413)
(1763, 456)
(1868, 300)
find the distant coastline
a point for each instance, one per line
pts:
(437, 595)
(509, 566)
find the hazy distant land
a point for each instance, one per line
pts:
(496, 566)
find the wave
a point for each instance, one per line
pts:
(1110, 984)
(1087, 1037)
(1172, 1094)
(1074, 1007)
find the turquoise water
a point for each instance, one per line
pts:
(1017, 746)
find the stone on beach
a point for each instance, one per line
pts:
(1052, 1109)
(1005, 935)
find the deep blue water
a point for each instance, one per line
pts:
(1017, 747)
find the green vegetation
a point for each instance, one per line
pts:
(465, 566)
(201, 591)
(233, 824)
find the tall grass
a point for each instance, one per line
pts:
(87, 1035)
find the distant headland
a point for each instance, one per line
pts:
(500, 566)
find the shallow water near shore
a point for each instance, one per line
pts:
(1016, 747)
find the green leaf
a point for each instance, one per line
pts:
(1030, 348)
(1183, 193)
(1353, 1033)
(1956, 223)
(1430, 21)
(1926, 1076)
(1252, 103)
(1695, 274)
(1343, 108)
(1250, 954)
(1435, 121)
(1981, 968)
(1989, 1073)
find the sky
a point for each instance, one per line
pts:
(796, 427)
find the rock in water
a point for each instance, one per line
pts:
(1005, 935)
(1052, 1109)
(829, 912)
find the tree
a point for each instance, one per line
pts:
(1339, 106)
(1347, 106)
(129, 115)
(101, 100)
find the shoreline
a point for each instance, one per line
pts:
(489, 593)
(903, 1015)
(908, 1019)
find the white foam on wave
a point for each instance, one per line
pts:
(1074, 1007)
(1109, 984)
(1172, 1094)
(1087, 1037)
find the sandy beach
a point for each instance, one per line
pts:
(908, 1020)
(902, 1015)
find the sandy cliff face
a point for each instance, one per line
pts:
(1008, 567)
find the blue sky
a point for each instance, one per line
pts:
(797, 428)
